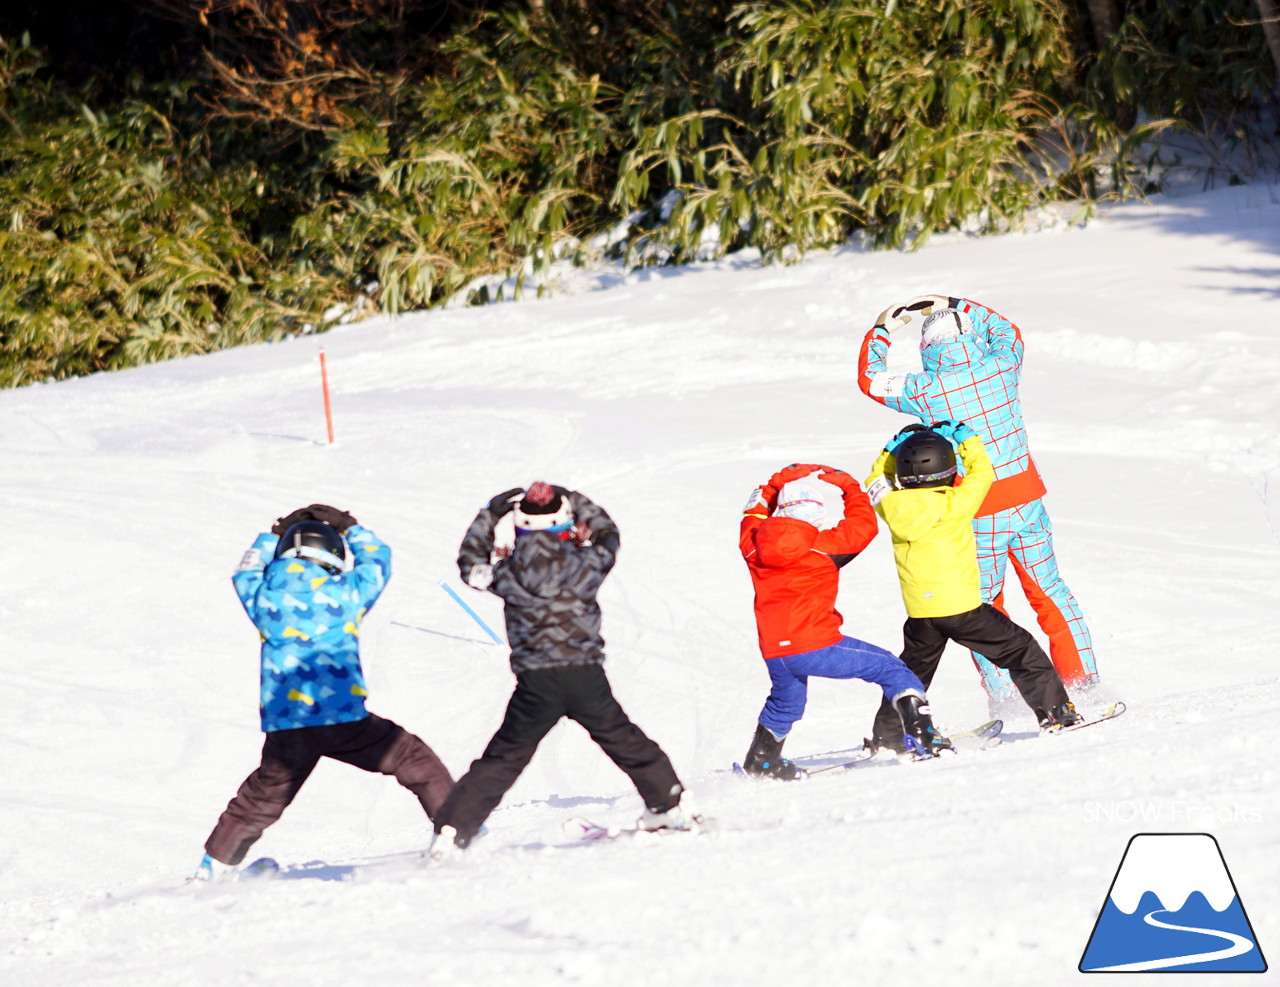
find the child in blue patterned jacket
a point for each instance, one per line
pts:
(307, 585)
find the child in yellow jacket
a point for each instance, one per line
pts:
(916, 488)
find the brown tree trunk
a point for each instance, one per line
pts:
(1270, 12)
(1105, 15)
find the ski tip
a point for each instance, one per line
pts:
(581, 828)
(1112, 711)
(262, 867)
(992, 728)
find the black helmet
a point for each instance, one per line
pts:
(925, 459)
(314, 541)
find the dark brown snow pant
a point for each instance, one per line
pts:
(541, 699)
(289, 757)
(990, 633)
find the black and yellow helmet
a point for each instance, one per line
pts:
(925, 458)
(315, 542)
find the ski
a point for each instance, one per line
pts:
(268, 869)
(1110, 713)
(262, 868)
(979, 738)
(862, 758)
(580, 828)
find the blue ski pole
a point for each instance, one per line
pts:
(471, 613)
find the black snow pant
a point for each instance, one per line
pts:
(988, 632)
(542, 697)
(289, 757)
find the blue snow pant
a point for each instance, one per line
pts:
(1024, 536)
(846, 659)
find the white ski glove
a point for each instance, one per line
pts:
(878, 488)
(897, 316)
(480, 576)
(893, 318)
(756, 502)
(927, 304)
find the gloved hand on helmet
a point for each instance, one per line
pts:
(957, 432)
(334, 518)
(896, 316)
(505, 502)
(892, 445)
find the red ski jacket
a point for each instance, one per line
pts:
(795, 568)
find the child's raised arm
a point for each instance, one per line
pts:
(979, 474)
(859, 527)
(371, 563)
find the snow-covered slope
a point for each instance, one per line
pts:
(130, 715)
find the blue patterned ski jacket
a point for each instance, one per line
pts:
(973, 378)
(310, 626)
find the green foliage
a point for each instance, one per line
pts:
(502, 162)
(159, 223)
(120, 246)
(1204, 62)
(864, 115)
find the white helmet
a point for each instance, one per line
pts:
(944, 323)
(801, 499)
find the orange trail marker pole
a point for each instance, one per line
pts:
(324, 383)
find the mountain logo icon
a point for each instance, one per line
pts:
(1172, 907)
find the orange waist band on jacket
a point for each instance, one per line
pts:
(1021, 488)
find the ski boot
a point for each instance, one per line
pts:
(918, 731)
(210, 871)
(445, 847)
(680, 816)
(765, 760)
(1062, 715)
(894, 745)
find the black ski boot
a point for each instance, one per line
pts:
(895, 745)
(1062, 715)
(765, 760)
(917, 726)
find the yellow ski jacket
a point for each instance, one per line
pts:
(932, 529)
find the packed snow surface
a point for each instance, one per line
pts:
(1152, 396)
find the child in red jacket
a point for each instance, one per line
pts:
(795, 569)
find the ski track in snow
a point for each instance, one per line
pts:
(1151, 399)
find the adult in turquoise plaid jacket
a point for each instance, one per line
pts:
(971, 371)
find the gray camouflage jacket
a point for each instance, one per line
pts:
(549, 586)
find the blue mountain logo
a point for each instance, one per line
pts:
(1172, 907)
